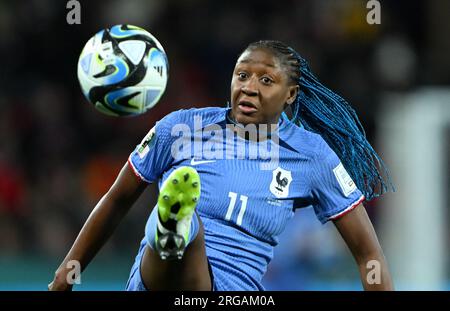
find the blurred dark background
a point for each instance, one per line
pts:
(58, 155)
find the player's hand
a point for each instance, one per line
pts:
(63, 286)
(59, 283)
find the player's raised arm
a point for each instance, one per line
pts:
(357, 231)
(102, 221)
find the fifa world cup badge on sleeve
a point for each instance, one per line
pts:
(146, 143)
(344, 179)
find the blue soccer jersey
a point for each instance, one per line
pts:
(249, 188)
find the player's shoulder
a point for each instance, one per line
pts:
(307, 142)
(206, 115)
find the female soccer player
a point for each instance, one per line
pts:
(221, 207)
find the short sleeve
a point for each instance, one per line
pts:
(334, 191)
(153, 155)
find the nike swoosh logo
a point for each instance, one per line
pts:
(195, 162)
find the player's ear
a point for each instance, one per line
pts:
(292, 94)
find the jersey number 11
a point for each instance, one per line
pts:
(233, 198)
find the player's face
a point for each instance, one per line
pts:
(260, 88)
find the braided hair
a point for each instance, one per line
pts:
(318, 109)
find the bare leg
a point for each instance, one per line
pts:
(189, 273)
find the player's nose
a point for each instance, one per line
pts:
(250, 87)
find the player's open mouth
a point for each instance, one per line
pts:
(247, 107)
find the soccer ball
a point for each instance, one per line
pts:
(123, 70)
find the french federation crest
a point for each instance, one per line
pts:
(280, 182)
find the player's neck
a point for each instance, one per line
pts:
(254, 132)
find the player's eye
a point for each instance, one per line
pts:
(242, 75)
(266, 80)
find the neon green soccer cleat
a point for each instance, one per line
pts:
(177, 200)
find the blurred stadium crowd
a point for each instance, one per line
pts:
(58, 155)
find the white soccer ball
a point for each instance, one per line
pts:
(123, 70)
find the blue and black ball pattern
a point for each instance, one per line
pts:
(122, 73)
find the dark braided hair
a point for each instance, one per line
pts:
(318, 109)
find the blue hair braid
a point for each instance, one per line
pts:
(320, 110)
